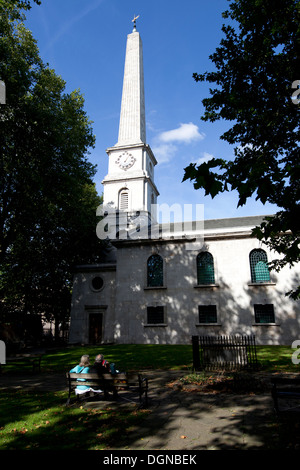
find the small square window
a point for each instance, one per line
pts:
(155, 315)
(264, 313)
(207, 313)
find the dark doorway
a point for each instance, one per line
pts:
(95, 329)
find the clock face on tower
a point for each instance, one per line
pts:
(125, 161)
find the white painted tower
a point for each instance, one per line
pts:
(129, 185)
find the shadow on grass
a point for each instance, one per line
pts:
(31, 420)
(41, 421)
(217, 421)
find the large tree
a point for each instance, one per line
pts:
(48, 198)
(255, 67)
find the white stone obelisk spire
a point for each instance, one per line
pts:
(129, 186)
(132, 128)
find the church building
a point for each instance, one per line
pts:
(164, 283)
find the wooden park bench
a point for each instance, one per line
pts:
(25, 358)
(287, 389)
(109, 383)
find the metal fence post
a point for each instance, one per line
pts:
(196, 355)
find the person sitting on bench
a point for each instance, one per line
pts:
(101, 366)
(82, 368)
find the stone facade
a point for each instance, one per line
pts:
(124, 298)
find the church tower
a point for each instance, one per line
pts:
(129, 185)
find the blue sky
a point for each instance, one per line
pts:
(84, 42)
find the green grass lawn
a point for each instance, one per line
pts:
(126, 357)
(277, 358)
(30, 420)
(147, 357)
(40, 421)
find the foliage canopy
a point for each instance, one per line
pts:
(48, 199)
(255, 66)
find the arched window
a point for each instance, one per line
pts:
(259, 266)
(155, 276)
(123, 200)
(205, 268)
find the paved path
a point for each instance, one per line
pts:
(185, 421)
(206, 422)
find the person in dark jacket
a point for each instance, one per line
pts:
(101, 365)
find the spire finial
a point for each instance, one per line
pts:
(134, 23)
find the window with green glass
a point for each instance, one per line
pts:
(207, 313)
(155, 273)
(264, 313)
(205, 268)
(155, 315)
(259, 266)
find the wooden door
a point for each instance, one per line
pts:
(95, 328)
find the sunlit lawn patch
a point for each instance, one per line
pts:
(42, 421)
(152, 357)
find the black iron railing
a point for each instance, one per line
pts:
(224, 352)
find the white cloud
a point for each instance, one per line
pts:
(205, 158)
(164, 147)
(164, 152)
(184, 133)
